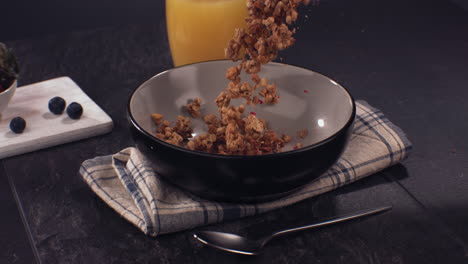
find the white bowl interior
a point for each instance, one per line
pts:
(308, 100)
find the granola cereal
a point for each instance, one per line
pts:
(286, 138)
(266, 34)
(183, 127)
(297, 146)
(223, 99)
(204, 142)
(269, 93)
(302, 133)
(157, 118)
(233, 131)
(194, 107)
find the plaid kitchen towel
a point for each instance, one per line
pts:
(128, 184)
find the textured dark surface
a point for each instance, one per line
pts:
(408, 59)
(14, 243)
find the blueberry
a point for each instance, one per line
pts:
(74, 110)
(17, 125)
(57, 105)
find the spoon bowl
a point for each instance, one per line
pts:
(231, 242)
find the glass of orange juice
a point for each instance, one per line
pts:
(199, 30)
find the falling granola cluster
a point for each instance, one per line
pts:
(266, 34)
(234, 132)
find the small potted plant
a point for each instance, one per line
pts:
(8, 75)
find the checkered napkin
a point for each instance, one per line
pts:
(128, 184)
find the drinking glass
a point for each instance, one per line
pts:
(199, 30)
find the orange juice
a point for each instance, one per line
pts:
(199, 30)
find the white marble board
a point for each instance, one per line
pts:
(44, 129)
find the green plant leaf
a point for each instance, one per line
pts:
(8, 66)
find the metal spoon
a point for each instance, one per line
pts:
(242, 245)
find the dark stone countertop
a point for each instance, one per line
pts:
(408, 59)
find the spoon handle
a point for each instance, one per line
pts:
(333, 220)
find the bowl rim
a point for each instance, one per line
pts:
(11, 87)
(263, 156)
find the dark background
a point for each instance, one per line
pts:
(29, 18)
(408, 58)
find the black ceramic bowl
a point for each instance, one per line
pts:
(308, 100)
